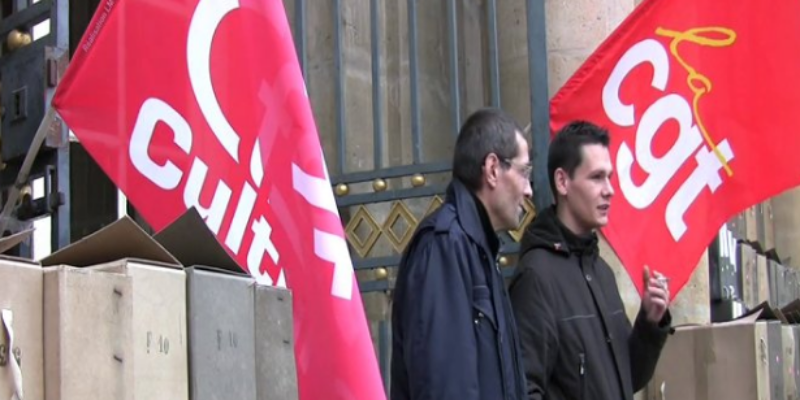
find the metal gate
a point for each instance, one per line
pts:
(391, 173)
(37, 38)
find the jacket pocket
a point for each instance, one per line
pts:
(482, 309)
(582, 376)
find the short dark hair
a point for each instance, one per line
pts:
(486, 131)
(566, 149)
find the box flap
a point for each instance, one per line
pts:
(8, 242)
(792, 311)
(119, 240)
(194, 245)
(689, 325)
(763, 312)
(748, 319)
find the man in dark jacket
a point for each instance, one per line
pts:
(576, 338)
(454, 335)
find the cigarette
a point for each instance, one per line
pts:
(663, 281)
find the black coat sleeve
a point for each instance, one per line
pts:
(533, 305)
(645, 344)
(440, 342)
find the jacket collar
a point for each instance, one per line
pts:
(548, 232)
(472, 216)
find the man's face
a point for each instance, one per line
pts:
(587, 194)
(513, 186)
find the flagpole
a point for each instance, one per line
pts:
(27, 164)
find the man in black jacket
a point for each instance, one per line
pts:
(577, 341)
(454, 335)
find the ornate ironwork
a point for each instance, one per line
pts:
(529, 211)
(399, 213)
(365, 228)
(362, 246)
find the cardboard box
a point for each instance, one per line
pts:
(751, 224)
(775, 357)
(737, 226)
(275, 362)
(721, 361)
(221, 297)
(751, 296)
(768, 225)
(87, 320)
(762, 279)
(21, 321)
(789, 362)
(783, 284)
(796, 369)
(159, 331)
(215, 351)
(775, 276)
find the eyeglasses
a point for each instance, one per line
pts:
(524, 169)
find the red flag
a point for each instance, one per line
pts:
(201, 103)
(701, 101)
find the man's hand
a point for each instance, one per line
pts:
(655, 300)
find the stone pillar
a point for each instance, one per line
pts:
(513, 54)
(574, 29)
(786, 213)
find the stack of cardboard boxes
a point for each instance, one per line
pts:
(738, 360)
(754, 356)
(123, 315)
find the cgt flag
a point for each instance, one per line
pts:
(201, 103)
(701, 101)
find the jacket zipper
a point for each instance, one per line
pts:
(582, 373)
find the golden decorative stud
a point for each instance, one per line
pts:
(342, 189)
(381, 273)
(503, 261)
(418, 180)
(25, 190)
(17, 39)
(379, 185)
